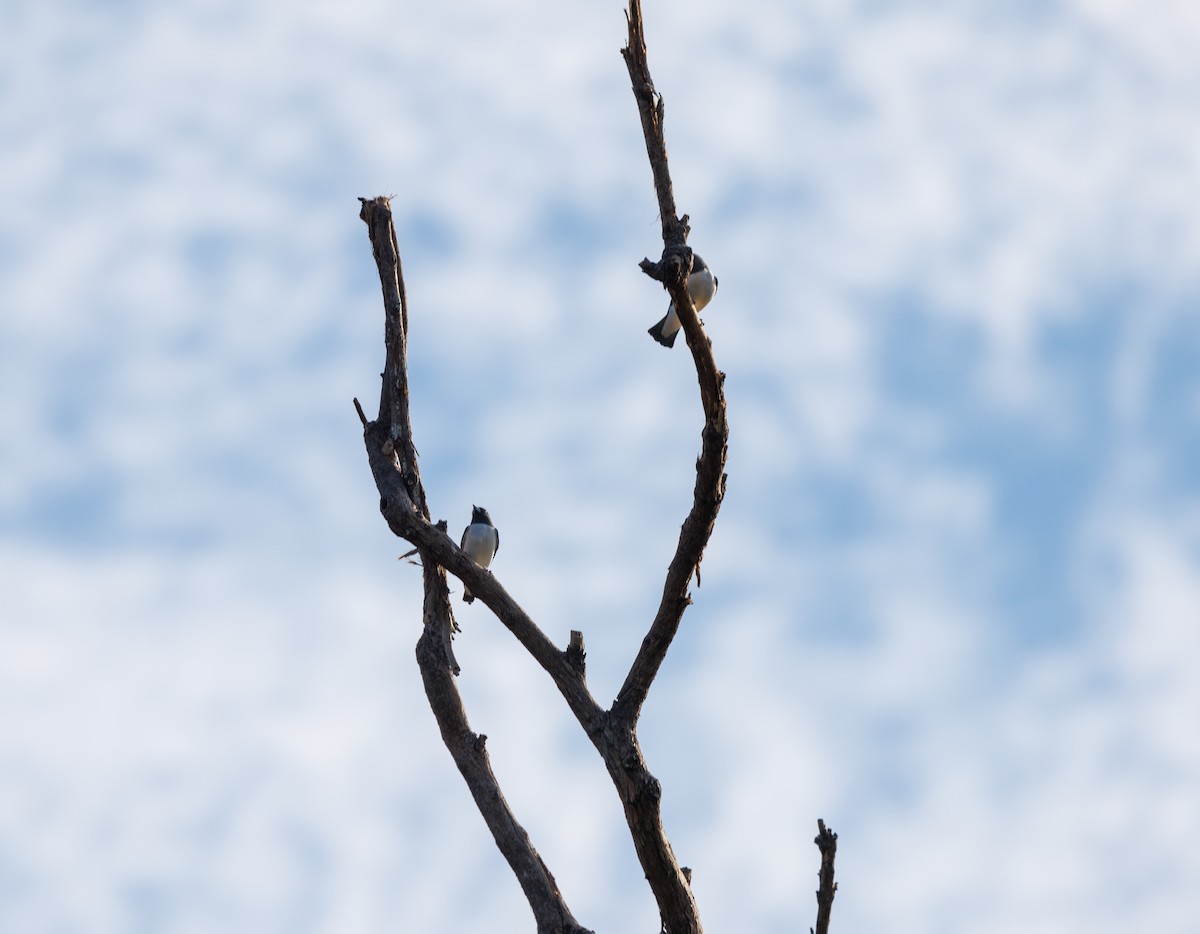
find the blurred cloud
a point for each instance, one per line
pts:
(950, 603)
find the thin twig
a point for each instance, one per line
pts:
(652, 109)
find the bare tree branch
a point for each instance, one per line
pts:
(673, 271)
(393, 459)
(651, 109)
(826, 841)
(393, 397)
(467, 749)
(639, 791)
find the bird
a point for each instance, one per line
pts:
(701, 286)
(481, 541)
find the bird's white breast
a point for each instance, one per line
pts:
(479, 541)
(702, 287)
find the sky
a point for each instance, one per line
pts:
(952, 601)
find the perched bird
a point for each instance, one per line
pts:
(701, 286)
(481, 541)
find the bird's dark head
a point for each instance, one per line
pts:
(479, 514)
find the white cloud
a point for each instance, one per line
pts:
(956, 264)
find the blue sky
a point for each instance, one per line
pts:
(952, 604)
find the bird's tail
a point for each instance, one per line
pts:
(657, 332)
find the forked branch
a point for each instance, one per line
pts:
(393, 459)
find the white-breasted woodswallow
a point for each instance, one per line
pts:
(702, 286)
(481, 541)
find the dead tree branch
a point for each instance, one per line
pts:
(393, 459)
(672, 270)
(826, 841)
(399, 485)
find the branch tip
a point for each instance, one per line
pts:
(826, 841)
(576, 654)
